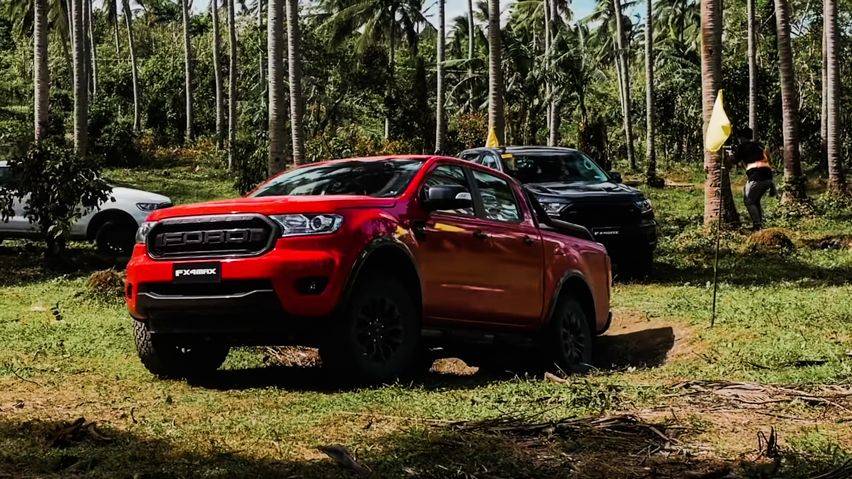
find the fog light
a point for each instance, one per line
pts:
(311, 284)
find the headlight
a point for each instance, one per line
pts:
(300, 225)
(152, 206)
(553, 209)
(144, 229)
(644, 205)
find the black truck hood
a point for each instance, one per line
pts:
(581, 190)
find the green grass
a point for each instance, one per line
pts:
(259, 420)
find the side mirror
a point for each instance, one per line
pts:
(446, 197)
(616, 177)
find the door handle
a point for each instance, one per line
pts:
(528, 241)
(479, 234)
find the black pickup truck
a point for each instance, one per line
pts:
(574, 188)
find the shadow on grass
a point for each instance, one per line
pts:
(27, 265)
(47, 449)
(482, 365)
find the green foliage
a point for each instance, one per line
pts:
(250, 161)
(57, 186)
(111, 135)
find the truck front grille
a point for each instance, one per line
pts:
(211, 236)
(596, 215)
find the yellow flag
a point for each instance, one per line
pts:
(492, 141)
(719, 128)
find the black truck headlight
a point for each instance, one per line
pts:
(644, 205)
(308, 224)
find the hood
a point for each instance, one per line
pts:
(138, 196)
(583, 190)
(273, 205)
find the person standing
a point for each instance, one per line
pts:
(755, 158)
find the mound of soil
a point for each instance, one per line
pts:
(770, 240)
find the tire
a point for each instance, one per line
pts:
(169, 359)
(115, 238)
(376, 336)
(568, 338)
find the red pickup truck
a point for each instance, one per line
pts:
(364, 258)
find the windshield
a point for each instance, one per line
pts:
(380, 179)
(561, 167)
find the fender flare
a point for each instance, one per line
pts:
(557, 294)
(374, 245)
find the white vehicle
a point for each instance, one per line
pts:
(112, 226)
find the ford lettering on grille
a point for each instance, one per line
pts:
(211, 237)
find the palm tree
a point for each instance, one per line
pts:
(41, 81)
(131, 45)
(217, 74)
(651, 177)
(496, 117)
(717, 190)
(470, 47)
(440, 114)
(232, 83)
(261, 58)
(555, 117)
(275, 75)
(752, 69)
(836, 178)
(187, 61)
(93, 46)
(111, 7)
(377, 21)
(294, 63)
(794, 190)
(81, 93)
(623, 57)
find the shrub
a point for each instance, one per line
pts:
(112, 137)
(250, 162)
(106, 285)
(59, 187)
(471, 128)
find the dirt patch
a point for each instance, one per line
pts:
(292, 356)
(770, 240)
(833, 242)
(635, 340)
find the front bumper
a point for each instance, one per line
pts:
(271, 286)
(627, 239)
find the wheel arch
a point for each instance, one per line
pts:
(387, 254)
(574, 284)
(103, 216)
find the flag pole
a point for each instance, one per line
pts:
(718, 235)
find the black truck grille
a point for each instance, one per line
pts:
(598, 215)
(211, 236)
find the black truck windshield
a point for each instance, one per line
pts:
(562, 167)
(377, 178)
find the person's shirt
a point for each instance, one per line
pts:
(752, 155)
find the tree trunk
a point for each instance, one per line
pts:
(496, 117)
(187, 61)
(471, 38)
(277, 112)
(623, 55)
(261, 57)
(555, 116)
(217, 75)
(717, 188)
(93, 47)
(794, 190)
(752, 69)
(836, 178)
(131, 45)
(41, 80)
(440, 127)
(232, 84)
(823, 118)
(651, 177)
(114, 13)
(391, 71)
(546, 67)
(297, 101)
(81, 93)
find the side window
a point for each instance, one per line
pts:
(470, 156)
(498, 199)
(445, 175)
